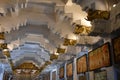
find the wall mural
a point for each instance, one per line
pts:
(81, 64)
(116, 49)
(99, 57)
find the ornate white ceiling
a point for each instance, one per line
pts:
(35, 28)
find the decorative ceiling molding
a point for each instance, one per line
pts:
(29, 57)
(46, 23)
(30, 49)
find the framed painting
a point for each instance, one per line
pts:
(70, 78)
(82, 77)
(69, 69)
(61, 72)
(81, 64)
(116, 49)
(102, 75)
(99, 57)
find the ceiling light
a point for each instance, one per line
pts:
(114, 5)
(18, 70)
(56, 53)
(86, 23)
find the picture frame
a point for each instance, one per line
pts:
(116, 49)
(61, 72)
(99, 57)
(83, 77)
(70, 78)
(101, 75)
(69, 69)
(83, 61)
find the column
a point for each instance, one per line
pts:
(57, 73)
(74, 70)
(65, 77)
(1, 71)
(50, 75)
(1, 42)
